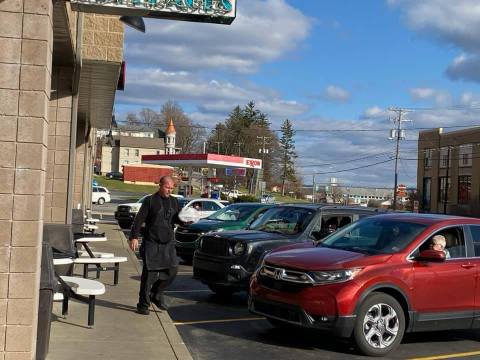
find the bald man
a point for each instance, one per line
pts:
(159, 212)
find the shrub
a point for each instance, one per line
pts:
(246, 198)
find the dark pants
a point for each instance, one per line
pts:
(152, 284)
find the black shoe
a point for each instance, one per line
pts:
(143, 310)
(160, 303)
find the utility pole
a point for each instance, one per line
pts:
(313, 189)
(447, 180)
(397, 134)
(239, 144)
(218, 146)
(263, 150)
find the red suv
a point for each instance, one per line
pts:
(376, 279)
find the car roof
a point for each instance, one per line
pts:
(332, 207)
(428, 219)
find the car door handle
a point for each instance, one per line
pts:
(468, 266)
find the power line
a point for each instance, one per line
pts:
(351, 169)
(346, 161)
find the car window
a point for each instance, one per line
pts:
(454, 239)
(101, 190)
(232, 213)
(197, 205)
(210, 206)
(475, 231)
(284, 220)
(375, 235)
(94, 189)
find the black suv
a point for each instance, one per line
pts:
(114, 175)
(226, 260)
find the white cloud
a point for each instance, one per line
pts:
(454, 22)
(152, 87)
(336, 93)
(263, 31)
(441, 98)
(374, 112)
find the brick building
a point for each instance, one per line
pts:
(448, 171)
(58, 76)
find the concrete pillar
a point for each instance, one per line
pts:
(25, 72)
(60, 119)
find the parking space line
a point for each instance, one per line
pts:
(449, 356)
(185, 291)
(178, 323)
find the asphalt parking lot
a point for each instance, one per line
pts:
(217, 328)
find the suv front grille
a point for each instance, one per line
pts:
(213, 245)
(183, 235)
(280, 285)
(123, 208)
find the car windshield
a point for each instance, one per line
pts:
(374, 235)
(286, 220)
(233, 213)
(142, 199)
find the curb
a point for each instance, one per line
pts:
(170, 330)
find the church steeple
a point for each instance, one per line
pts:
(170, 135)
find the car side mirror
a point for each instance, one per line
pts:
(431, 255)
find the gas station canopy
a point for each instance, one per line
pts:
(203, 161)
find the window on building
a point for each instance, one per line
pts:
(137, 152)
(464, 188)
(426, 197)
(427, 158)
(443, 188)
(158, 152)
(465, 155)
(127, 151)
(445, 157)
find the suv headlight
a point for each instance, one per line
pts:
(238, 248)
(336, 276)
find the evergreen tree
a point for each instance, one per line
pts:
(288, 154)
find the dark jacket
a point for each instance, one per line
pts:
(158, 246)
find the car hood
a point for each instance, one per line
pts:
(209, 225)
(251, 235)
(310, 257)
(130, 204)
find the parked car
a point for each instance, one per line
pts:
(204, 206)
(114, 175)
(375, 280)
(126, 213)
(233, 193)
(267, 199)
(226, 260)
(100, 195)
(232, 217)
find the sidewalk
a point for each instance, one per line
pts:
(119, 332)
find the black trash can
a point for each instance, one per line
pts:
(48, 284)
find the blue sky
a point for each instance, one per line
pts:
(330, 64)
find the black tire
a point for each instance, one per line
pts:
(124, 224)
(223, 291)
(101, 201)
(374, 333)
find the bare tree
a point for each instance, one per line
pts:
(337, 194)
(148, 118)
(132, 119)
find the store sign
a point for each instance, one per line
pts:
(211, 11)
(253, 163)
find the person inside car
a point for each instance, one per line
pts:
(438, 242)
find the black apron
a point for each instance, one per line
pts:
(158, 245)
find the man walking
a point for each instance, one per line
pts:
(159, 212)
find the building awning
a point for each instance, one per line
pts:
(203, 161)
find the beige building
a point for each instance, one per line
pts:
(122, 150)
(58, 76)
(448, 173)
